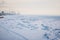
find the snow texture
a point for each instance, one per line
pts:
(28, 27)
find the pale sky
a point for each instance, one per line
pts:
(33, 7)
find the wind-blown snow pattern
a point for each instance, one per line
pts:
(29, 27)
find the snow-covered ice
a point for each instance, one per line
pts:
(29, 27)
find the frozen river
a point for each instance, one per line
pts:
(29, 27)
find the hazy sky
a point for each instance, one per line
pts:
(34, 7)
